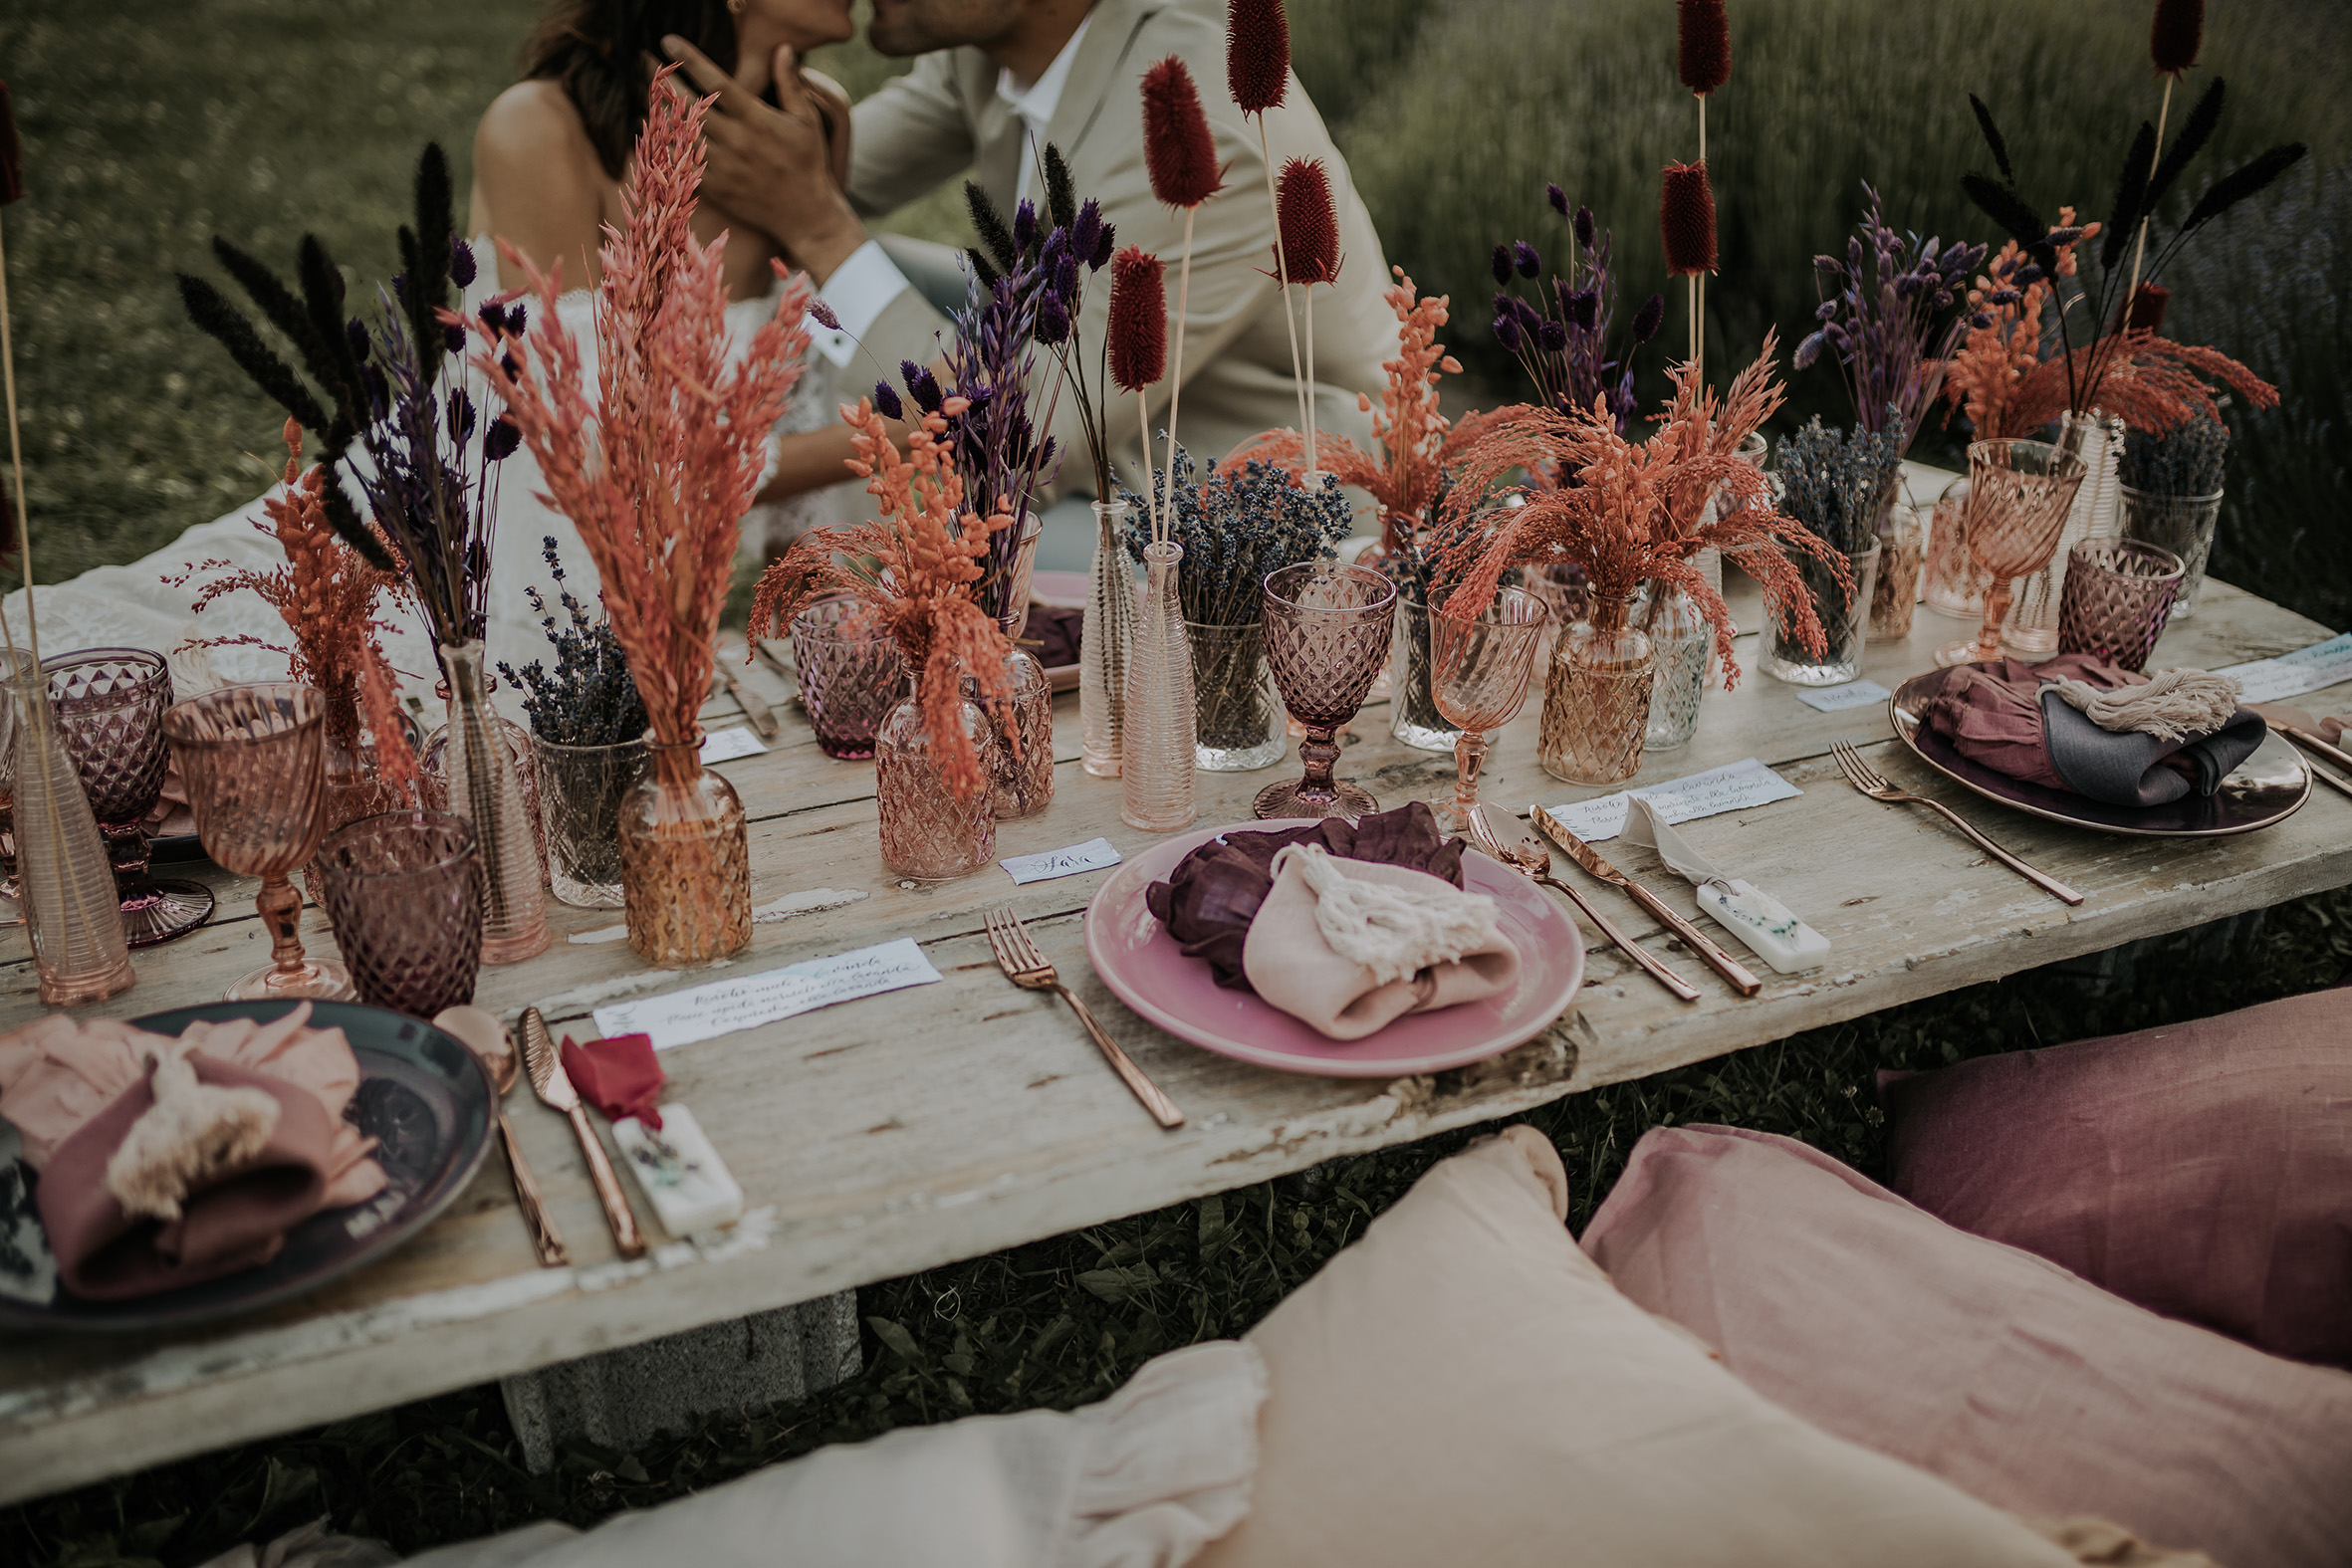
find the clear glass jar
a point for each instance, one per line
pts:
(1844, 614)
(1596, 698)
(1896, 593)
(1682, 643)
(1238, 725)
(2184, 525)
(1412, 712)
(580, 790)
(1954, 582)
(929, 832)
(1021, 777)
(685, 860)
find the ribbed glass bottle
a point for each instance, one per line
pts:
(71, 911)
(1105, 639)
(483, 790)
(1160, 719)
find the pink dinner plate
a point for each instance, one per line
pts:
(1146, 969)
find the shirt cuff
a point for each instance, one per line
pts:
(858, 292)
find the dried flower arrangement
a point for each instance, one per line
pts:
(590, 698)
(326, 593)
(1180, 155)
(658, 465)
(2148, 381)
(1258, 74)
(1834, 480)
(1886, 318)
(918, 572)
(433, 456)
(1563, 340)
(1633, 512)
(1246, 519)
(2188, 460)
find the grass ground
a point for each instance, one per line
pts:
(151, 124)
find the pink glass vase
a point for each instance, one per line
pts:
(1157, 743)
(483, 790)
(1596, 698)
(929, 832)
(685, 860)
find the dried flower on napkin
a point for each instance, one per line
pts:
(1209, 901)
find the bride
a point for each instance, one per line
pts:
(550, 158)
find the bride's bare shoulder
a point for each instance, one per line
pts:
(536, 181)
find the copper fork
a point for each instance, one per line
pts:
(1532, 860)
(1873, 783)
(1024, 965)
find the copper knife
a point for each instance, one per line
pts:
(2313, 743)
(554, 1085)
(754, 706)
(1690, 936)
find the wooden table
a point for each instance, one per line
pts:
(911, 1130)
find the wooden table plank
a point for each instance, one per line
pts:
(911, 1130)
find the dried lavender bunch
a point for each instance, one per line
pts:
(591, 698)
(1236, 527)
(1836, 479)
(2187, 462)
(1889, 319)
(1562, 339)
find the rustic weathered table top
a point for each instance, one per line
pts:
(909, 1130)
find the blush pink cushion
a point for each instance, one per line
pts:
(1997, 1370)
(2202, 1169)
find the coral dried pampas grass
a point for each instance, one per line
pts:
(658, 465)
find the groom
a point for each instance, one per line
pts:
(997, 80)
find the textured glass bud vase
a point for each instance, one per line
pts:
(1412, 712)
(1160, 722)
(1103, 642)
(1596, 698)
(685, 860)
(483, 790)
(929, 832)
(1844, 614)
(1021, 778)
(71, 911)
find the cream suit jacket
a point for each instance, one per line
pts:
(944, 119)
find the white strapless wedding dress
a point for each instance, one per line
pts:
(131, 605)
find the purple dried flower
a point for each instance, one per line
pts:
(517, 318)
(1584, 227)
(825, 315)
(1524, 255)
(1979, 320)
(1806, 352)
(1104, 247)
(1829, 265)
(1559, 199)
(1507, 333)
(1829, 308)
(1551, 337)
(492, 316)
(453, 338)
(1500, 263)
(1583, 308)
(501, 439)
(461, 262)
(1085, 234)
(886, 401)
(1024, 224)
(922, 385)
(1649, 318)
(1052, 318)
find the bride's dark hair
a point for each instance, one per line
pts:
(598, 50)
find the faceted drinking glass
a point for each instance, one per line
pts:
(404, 891)
(1477, 675)
(1327, 637)
(109, 706)
(849, 671)
(2117, 598)
(255, 764)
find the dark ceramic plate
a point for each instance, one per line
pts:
(421, 1095)
(2265, 789)
(176, 849)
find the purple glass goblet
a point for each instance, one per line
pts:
(404, 893)
(1327, 637)
(109, 706)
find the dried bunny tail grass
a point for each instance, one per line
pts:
(1309, 223)
(1702, 44)
(659, 467)
(1178, 150)
(1686, 219)
(1257, 54)
(2176, 34)
(1137, 333)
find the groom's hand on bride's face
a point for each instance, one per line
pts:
(768, 165)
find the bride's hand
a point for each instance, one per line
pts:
(771, 166)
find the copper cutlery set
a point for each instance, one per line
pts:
(544, 1068)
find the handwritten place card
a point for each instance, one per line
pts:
(2304, 670)
(1732, 788)
(1836, 699)
(722, 746)
(1092, 856)
(723, 1006)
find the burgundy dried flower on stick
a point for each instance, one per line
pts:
(1309, 226)
(2173, 37)
(1180, 155)
(12, 523)
(1136, 336)
(1701, 47)
(1257, 72)
(1686, 223)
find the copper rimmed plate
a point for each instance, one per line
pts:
(425, 1100)
(1146, 969)
(2265, 789)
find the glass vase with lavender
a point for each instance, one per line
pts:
(1237, 526)
(2172, 496)
(588, 742)
(1832, 483)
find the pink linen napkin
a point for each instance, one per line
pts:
(1414, 944)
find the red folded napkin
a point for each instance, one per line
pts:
(618, 1076)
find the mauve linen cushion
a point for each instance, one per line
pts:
(2000, 1371)
(2202, 1169)
(1463, 1386)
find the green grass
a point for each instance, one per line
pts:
(151, 124)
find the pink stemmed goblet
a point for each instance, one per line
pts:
(2018, 496)
(109, 706)
(254, 759)
(1327, 637)
(1478, 673)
